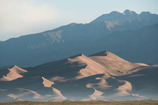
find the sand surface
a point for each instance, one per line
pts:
(101, 76)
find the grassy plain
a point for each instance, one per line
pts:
(84, 103)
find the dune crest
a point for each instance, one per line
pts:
(124, 89)
(114, 64)
(103, 84)
(91, 67)
(59, 79)
(15, 96)
(137, 95)
(96, 95)
(47, 83)
(14, 73)
(58, 96)
(27, 92)
(103, 76)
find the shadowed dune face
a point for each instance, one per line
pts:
(101, 76)
(124, 89)
(59, 96)
(91, 67)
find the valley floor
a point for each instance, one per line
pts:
(84, 103)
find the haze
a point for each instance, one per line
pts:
(21, 17)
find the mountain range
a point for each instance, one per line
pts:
(100, 76)
(130, 35)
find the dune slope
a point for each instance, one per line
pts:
(101, 76)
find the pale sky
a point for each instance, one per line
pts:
(22, 17)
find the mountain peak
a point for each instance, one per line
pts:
(115, 15)
(145, 13)
(129, 12)
(114, 12)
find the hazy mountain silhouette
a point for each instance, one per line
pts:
(127, 14)
(72, 39)
(128, 20)
(101, 76)
(134, 45)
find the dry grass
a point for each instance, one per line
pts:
(84, 103)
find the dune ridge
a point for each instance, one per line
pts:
(14, 73)
(47, 83)
(58, 96)
(101, 76)
(116, 65)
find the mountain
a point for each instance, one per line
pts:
(72, 39)
(101, 76)
(133, 45)
(114, 15)
(128, 20)
(127, 14)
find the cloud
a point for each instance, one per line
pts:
(19, 17)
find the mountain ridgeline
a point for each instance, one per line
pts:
(129, 35)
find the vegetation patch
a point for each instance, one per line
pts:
(84, 103)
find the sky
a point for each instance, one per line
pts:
(22, 17)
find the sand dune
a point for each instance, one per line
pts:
(124, 89)
(91, 67)
(96, 95)
(114, 64)
(47, 83)
(14, 73)
(101, 76)
(137, 95)
(26, 92)
(103, 84)
(3, 89)
(59, 79)
(15, 96)
(58, 95)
